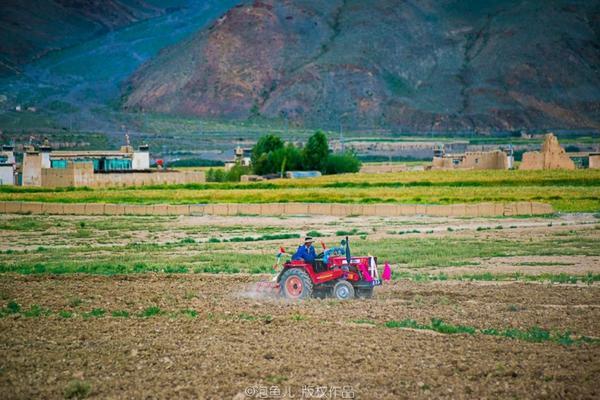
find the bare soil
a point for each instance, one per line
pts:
(238, 342)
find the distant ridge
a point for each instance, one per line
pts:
(444, 65)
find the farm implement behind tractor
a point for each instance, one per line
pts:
(335, 272)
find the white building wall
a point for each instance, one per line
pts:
(45, 159)
(140, 160)
(7, 176)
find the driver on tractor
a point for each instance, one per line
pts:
(306, 251)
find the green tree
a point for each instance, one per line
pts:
(342, 163)
(288, 158)
(314, 155)
(262, 162)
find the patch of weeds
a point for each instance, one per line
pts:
(214, 240)
(450, 229)
(41, 249)
(314, 234)
(189, 313)
(499, 227)
(65, 314)
(279, 236)
(267, 319)
(440, 326)
(297, 317)
(36, 311)
(175, 269)
(187, 240)
(436, 325)
(363, 321)
(363, 237)
(12, 307)
(151, 312)
(77, 389)
(120, 314)
(82, 224)
(347, 233)
(95, 313)
(246, 317)
(513, 308)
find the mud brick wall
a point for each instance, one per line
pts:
(594, 161)
(474, 160)
(82, 174)
(381, 210)
(382, 168)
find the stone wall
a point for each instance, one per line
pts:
(382, 210)
(551, 156)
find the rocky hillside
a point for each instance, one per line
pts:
(31, 29)
(418, 65)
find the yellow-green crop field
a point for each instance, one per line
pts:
(568, 191)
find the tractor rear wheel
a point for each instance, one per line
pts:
(343, 290)
(295, 284)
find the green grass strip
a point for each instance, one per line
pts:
(534, 334)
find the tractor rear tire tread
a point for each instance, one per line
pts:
(307, 285)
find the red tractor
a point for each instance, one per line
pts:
(334, 273)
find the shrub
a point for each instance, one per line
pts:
(342, 163)
(77, 390)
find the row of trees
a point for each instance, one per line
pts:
(271, 155)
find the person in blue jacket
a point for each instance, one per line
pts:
(306, 251)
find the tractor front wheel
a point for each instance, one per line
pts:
(296, 284)
(343, 290)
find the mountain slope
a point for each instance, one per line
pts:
(28, 30)
(418, 65)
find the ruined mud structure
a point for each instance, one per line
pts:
(551, 156)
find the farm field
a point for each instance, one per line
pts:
(568, 191)
(113, 307)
